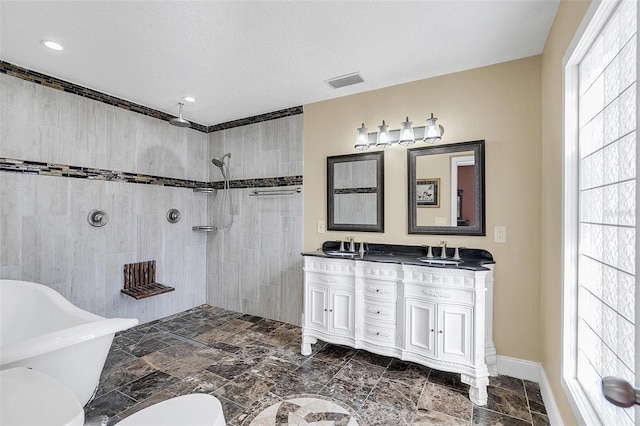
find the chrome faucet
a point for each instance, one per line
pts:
(443, 253)
(351, 243)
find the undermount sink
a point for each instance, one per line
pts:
(440, 261)
(340, 253)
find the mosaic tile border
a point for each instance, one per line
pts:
(13, 165)
(355, 190)
(65, 86)
(288, 112)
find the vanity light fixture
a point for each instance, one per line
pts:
(405, 136)
(434, 131)
(52, 45)
(362, 140)
(384, 137)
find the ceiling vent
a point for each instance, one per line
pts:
(345, 80)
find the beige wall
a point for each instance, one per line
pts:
(499, 103)
(564, 27)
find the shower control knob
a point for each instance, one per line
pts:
(173, 216)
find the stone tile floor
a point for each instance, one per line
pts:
(250, 363)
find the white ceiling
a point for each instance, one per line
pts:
(244, 58)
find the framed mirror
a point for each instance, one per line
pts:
(446, 189)
(355, 192)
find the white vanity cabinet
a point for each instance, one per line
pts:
(438, 330)
(329, 303)
(376, 306)
(437, 317)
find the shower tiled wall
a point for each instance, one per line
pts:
(254, 266)
(44, 234)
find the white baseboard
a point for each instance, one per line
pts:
(519, 368)
(549, 400)
(532, 371)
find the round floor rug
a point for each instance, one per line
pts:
(305, 410)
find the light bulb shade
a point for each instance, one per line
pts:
(362, 139)
(384, 138)
(407, 136)
(433, 131)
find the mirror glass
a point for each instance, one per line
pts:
(446, 189)
(355, 192)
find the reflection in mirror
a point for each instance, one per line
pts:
(446, 189)
(355, 192)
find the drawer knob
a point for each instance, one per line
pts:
(440, 331)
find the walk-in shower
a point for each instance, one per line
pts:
(224, 216)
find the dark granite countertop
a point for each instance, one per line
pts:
(472, 259)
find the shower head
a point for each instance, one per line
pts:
(220, 161)
(179, 121)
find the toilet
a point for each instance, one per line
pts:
(32, 398)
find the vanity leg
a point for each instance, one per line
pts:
(477, 390)
(307, 341)
(491, 359)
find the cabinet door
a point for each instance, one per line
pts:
(317, 307)
(341, 312)
(454, 332)
(420, 326)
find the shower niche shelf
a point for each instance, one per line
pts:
(205, 228)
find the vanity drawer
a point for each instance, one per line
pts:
(439, 294)
(379, 311)
(374, 332)
(382, 290)
(329, 279)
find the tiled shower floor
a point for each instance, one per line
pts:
(250, 363)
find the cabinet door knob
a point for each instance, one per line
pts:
(331, 310)
(325, 310)
(440, 331)
(378, 312)
(432, 330)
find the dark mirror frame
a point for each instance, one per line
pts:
(479, 209)
(379, 225)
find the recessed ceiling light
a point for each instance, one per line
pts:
(52, 45)
(189, 99)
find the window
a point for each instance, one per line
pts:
(600, 218)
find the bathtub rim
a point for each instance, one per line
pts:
(60, 339)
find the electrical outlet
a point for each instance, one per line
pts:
(321, 227)
(499, 234)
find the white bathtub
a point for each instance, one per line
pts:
(42, 330)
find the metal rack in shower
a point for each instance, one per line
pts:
(263, 192)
